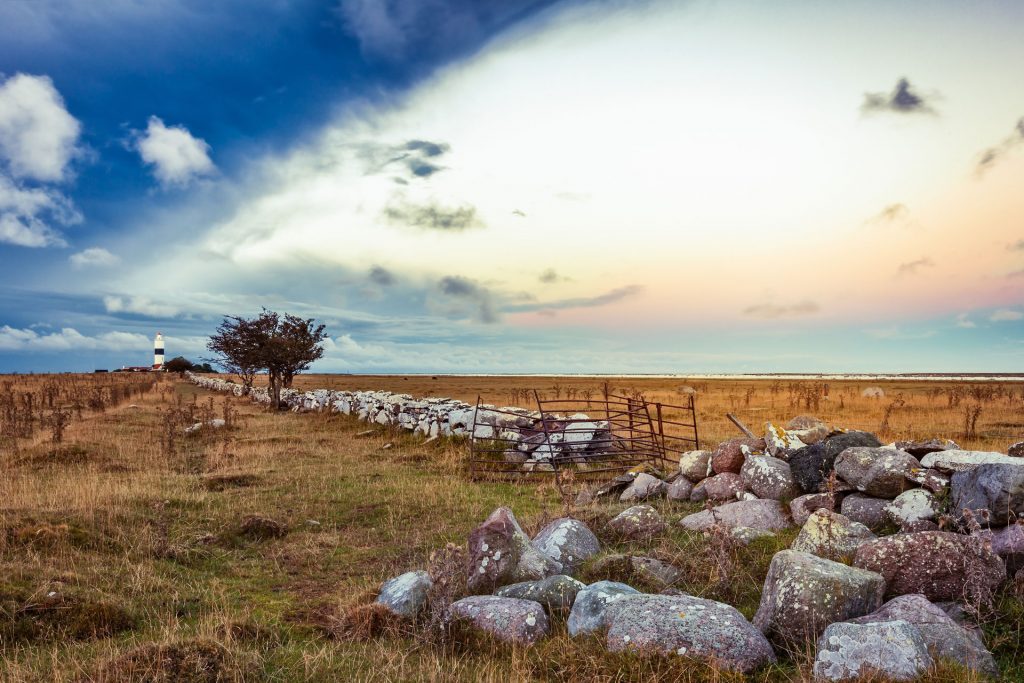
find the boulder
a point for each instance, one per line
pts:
(831, 535)
(588, 610)
(768, 477)
(766, 515)
(695, 465)
(637, 570)
(933, 480)
(507, 619)
(406, 595)
(643, 487)
(937, 564)
(779, 442)
(637, 522)
(959, 461)
(944, 637)
(864, 509)
(878, 472)
(1016, 450)
(679, 490)
(919, 449)
(810, 430)
(567, 541)
(911, 507)
(812, 465)
(729, 455)
(690, 627)
(556, 593)
(804, 593)
(801, 507)
(893, 650)
(873, 392)
(1007, 543)
(501, 553)
(726, 486)
(993, 492)
(804, 422)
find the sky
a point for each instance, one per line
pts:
(525, 186)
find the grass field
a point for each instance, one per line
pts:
(124, 553)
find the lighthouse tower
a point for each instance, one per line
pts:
(158, 352)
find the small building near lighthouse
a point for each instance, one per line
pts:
(158, 352)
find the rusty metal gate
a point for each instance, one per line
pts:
(593, 438)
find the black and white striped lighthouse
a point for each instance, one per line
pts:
(158, 352)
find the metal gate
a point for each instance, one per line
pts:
(591, 437)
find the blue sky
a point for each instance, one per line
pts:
(519, 186)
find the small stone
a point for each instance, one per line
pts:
(726, 486)
(556, 593)
(638, 522)
(864, 509)
(831, 535)
(695, 465)
(637, 570)
(801, 507)
(406, 594)
(729, 455)
(567, 541)
(679, 490)
(1016, 450)
(747, 535)
(769, 477)
(911, 507)
(643, 487)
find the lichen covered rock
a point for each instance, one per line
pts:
(993, 492)
(591, 604)
(406, 595)
(893, 649)
(765, 515)
(719, 487)
(804, 593)
(638, 522)
(831, 535)
(556, 593)
(507, 619)
(768, 477)
(812, 465)
(567, 541)
(690, 627)
(879, 472)
(501, 553)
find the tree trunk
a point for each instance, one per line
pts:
(275, 389)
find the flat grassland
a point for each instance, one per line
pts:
(130, 551)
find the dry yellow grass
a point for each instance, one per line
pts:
(142, 546)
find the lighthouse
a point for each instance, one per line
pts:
(158, 352)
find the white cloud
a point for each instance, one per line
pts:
(1006, 315)
(138, 304)
(964, 322)
(70, 339)
(37, 134)
(27, 214)
(38, 140)
(93, 256)
(177, 157)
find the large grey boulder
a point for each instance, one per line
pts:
(719, 487)
(801, 507)
(406, 595)
(937, 564)
(812, 465)
(637, 523)
(864, 509)
(765, 515)
(959, 461)
(830, 535)
(588, 610)
(556, 593)
(768, 477)
(690, 627)
(567, 541)
(879, 472)
(695, 465)
(643, 487)
(804, 593)
(912, 507)
(894, 650)
(501, 553)
(993, 492)
(507, 619)
(945, 638)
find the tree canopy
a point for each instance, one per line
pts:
(282, 345)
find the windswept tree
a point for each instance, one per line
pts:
(281, 344)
